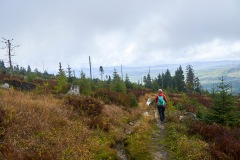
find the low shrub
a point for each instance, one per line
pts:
(2, 115)
(190, 102)
(138, 92)
(90, 108)
(183, 146)
(132, 100)
(45, 86)
(201, 99)
(180, 106)
(224, 141)
(85, 105)
(172, 113)
(2, 128)
(110, 97)
(137, 143)
(20, 84)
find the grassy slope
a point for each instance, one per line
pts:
(44, 127)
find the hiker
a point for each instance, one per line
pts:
(161, 101)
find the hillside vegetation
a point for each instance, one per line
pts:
(37, 126)
(44, 127)
(39, 120)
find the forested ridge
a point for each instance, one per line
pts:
(164, 80)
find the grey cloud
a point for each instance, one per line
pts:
(115, 32)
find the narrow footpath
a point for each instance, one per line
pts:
(159, 152)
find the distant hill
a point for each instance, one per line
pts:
(229, 70)
(208, 72)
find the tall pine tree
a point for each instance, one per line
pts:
(167, 79)
(190, 78)
(179, 79)
(147, 81)
(160, 81)
(197, 85)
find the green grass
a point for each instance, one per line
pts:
(137, 144)
(181, 144)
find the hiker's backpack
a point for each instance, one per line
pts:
(161, 101)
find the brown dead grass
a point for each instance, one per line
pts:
(115, 118)
(41, 127)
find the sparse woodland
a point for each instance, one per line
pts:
(39, 121)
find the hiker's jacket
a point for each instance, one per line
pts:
(161, 94)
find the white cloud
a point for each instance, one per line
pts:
(216, 49)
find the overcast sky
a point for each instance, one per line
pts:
(115, 32)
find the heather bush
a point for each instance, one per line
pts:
(190, 102)
(89, 107)
(204, 100)
(85, 105)
(19, 84)
(2, 124)
(138, 92)
(175, 98)
(108, 97)
(224, 141)
(45, 86)
(42, 89)
(2, 115)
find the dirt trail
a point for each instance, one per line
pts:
(158, 150)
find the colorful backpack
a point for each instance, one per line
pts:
(161, 101)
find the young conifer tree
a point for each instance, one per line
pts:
(61, 80)
(117, 85)
(127, 82)
(222, 110)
